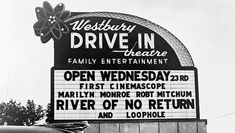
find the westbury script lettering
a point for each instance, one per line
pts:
(97, 36)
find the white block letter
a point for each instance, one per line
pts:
(79, 44)
(90, 40)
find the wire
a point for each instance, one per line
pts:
(221, 116)
(8, 80)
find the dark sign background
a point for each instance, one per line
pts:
(63, 51)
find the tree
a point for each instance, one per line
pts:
(49, 114)
(14, 113)
(2, 107)
(33, 113)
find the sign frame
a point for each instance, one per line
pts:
(53, 23)
(122, 120)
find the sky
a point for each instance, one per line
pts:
(205, 27)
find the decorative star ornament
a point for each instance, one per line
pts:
(50, 22)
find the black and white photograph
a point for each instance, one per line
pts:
(127, 66)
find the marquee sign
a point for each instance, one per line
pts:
(112, 66)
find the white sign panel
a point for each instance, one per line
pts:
(124, 94)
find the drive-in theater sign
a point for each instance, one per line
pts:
(112, 66)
